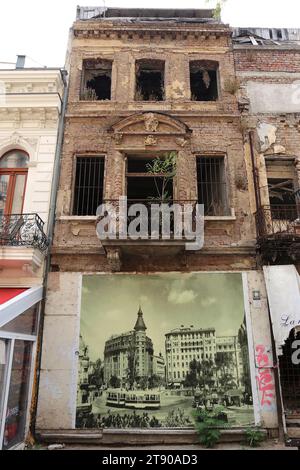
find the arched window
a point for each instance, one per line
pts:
(13, 176)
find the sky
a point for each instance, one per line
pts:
(39, 28)
(110, 304)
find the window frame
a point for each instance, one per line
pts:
(144, 156)
(86, 155)
(137, 63)
(83, 78)
(11, 310)
(13, 173)
(227, 206)
(214, 63)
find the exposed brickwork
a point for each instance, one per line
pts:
(214, 129)
(270, 60)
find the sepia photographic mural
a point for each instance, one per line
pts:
(157, 349)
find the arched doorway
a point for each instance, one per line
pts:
(13, 176)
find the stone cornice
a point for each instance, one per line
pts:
(24, 101)
(39, 114)
(89, 29)
(30, 81)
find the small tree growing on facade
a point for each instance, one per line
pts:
(164, 170)
(218, 8)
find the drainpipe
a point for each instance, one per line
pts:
(50, 230)
(254, 172)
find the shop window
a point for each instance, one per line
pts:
(96, 80)
(26, 323)
(204, 80)
(13, 176)
(16, 412)
(88, 188)
(211, 185)
(150, 80)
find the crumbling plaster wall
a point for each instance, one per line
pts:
(263, 360)
(176, 52)
(215, 126)
(58, 373)
(270, 84)
(58, 380)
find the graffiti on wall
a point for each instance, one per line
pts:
(265, 376)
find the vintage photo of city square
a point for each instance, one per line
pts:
(165, 346)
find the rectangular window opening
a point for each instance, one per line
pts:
(150, 80)
(96, 80)
(88, 189)
(281, 178)
(204, 80)
(143, 186)
(212, 186)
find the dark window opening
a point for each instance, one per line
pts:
(279, 33)
(97, 80)
(204, 81)
(282, 198)
(212, 186)
(146, 189)
(143, 186)
(88, 190)
(150, 80)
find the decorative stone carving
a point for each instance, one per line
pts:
(150, 140)
(29, 144)
(151, 122)
(118, 138)
(181, 142)
(114, 259)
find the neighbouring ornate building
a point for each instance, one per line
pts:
(129, 353)
(30, 111)
(185, 344)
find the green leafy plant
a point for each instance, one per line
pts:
(164, 170)
(209, 424)
(254, 437)
(218, 8)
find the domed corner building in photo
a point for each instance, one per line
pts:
(133, 346)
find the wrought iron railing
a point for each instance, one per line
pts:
(277, 221)
(148, 203)
(23, 230)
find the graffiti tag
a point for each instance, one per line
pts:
(265, 376)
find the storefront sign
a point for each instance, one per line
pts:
(283, 288)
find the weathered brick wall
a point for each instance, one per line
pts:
(215, 129)
(267, 60)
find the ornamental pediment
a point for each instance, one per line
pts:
(150, 123)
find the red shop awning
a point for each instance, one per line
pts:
(9, 293)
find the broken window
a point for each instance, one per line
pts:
(144, 186)
(212, 185)
(150, 80)
(203, 80)
(96, 80)
(281, 185)
(88, 188)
